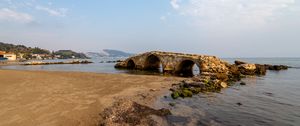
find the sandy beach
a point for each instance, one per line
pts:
(31, 98)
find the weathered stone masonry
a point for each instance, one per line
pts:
(175, 63)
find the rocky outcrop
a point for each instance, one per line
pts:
(129, 113)
(250, 69)
(214, 82)
(276, 67)
(54, 63)
(247, 69)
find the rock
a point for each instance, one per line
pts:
(223, 85)
(247, 69)
(173, 89)
(187, 81)
(276, 67)
(239, 104)
(153, 89)
(172, 104)
(280, 67)
(186, 93)
(130, 113)
(196, 78)
(222, 77)
(121, 65)
(195, 84)
(268, 94)
(237, 62)
(175, 95)
(234, 73)
(162, 112)
(260, 69)
(196, 90)
(242, 83)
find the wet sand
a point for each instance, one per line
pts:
(31, 98)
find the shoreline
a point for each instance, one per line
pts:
(71, 98)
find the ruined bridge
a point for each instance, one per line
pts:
(175, 63)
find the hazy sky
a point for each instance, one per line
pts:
(226, 28)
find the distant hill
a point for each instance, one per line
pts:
(29, 51)
(22, 49)
(117, 53)
(68, 54)
(95, 54)
(108, 53)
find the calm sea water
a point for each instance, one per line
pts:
(271, 100)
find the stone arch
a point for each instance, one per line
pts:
(131, 64)
(152, 62)
(185, 68)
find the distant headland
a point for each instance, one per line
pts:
(22, 52)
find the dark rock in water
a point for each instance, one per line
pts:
(172, 104)
(260, 69)
(268, 94)
(276, 67)
(242, 83)
(186, 93)
(280, 67)
(239, 104)
(175, 94)
(237, 62)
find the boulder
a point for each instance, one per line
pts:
(222, 76)
(224, 85)
(247, 69)
(234, 73)
(242, 83)
(260, 69)
(237, 62)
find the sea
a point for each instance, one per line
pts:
(271, 100)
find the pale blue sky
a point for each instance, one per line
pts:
(226, 28)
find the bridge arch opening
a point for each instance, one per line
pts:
(187, 68)
(153, 63)
(130, 64)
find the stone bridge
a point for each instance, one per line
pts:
(175, 63)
